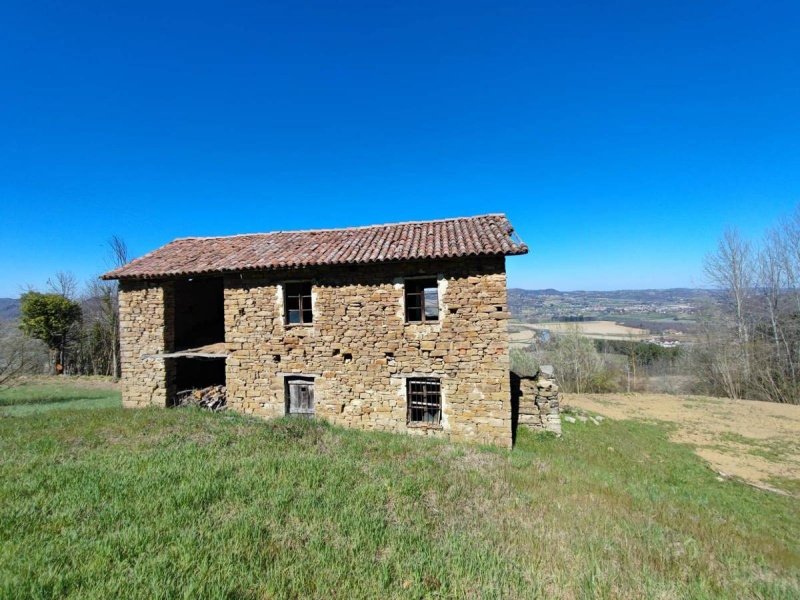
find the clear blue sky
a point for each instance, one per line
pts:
(620, 138)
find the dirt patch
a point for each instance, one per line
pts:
(758, 442)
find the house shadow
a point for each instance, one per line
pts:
(516, 393)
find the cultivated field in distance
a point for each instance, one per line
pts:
(524, 333)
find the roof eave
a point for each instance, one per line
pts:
(119, 275)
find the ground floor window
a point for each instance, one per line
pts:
(424, 397)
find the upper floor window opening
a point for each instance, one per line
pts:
(297, 298)
(422, 300)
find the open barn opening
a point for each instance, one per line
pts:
(198, 358)
(199, 312)
(200, 382)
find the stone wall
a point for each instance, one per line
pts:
(359, 349)
(146, 316)
(537, 400)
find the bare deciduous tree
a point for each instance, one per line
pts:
(118, 251)
(64, 284)
(19, 354)
(750, 345)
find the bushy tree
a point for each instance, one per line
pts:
(578, 365)
(523, 362)
(49, 318)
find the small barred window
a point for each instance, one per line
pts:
(424, 401)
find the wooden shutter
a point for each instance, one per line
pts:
(301, 397)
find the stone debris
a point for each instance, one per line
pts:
(569, 419)
(538, 401)
(213, 398)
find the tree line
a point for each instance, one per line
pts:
(750, 336)
(68, 328)
(747, 340)
(585, 365)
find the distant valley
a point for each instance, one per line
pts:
(655, 310)
(9, 309)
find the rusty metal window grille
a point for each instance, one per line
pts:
(298, 303)
(422, 300)
(424, 401)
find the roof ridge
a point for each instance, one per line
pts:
(326, 229)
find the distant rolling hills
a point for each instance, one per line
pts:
(9, 309)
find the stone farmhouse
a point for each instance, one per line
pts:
(399, 327)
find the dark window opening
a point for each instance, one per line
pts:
(424, 401)
(298, 303)
(300, 396)
(422, 300)
(347, 357)
(199, 312)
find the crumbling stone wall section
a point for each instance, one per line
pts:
(538, 400)
(146, 315)
(361, 351)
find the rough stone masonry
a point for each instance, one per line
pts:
(359, 350)
(538, 400)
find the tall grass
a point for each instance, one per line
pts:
(179, 503)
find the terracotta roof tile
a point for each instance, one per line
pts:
(448, 238)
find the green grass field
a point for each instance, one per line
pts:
(103, 502)
(43, 397)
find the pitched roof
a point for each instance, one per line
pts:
(483, 235)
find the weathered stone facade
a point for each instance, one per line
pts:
(359, 349)
(537, 401)
(146, 316)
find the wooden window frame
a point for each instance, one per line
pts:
(300, 380)
(298, 293)
(414, 299)
(423, 394)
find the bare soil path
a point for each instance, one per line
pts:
(758, 442)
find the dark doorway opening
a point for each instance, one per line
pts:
(199, 312)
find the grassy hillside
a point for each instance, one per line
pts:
(104, 502)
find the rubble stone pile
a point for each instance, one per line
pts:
(539, 401)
